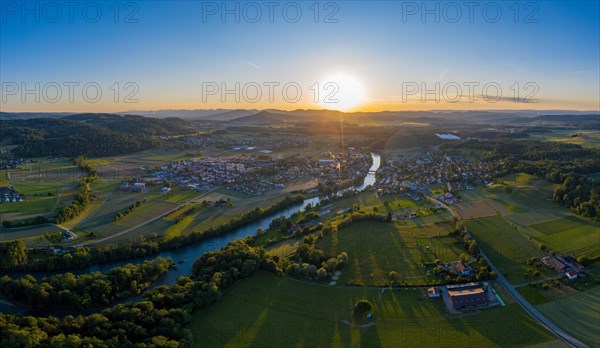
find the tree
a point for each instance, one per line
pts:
(343, 258)
(321, 273)
(362, 306)
(14, 254)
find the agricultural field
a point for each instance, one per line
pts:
(375, 249)
(397, 204)
(101, 220)
(585, 138)
(480, 208)
(30, 235)
(46, 186)
(281, 312)
(570, 234)
(582, 320)
(530, 219)
(507, 247)
(539, 295)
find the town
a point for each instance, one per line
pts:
(418, 175)
(257, 175)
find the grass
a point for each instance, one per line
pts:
(582, 320)
(570, 235)
(507, 248)
(268, 311)
(559, 225)
(146, 211)
(182, 195)
(537, 295)
(479, 208)
(375, 249)
(529, 207)
(178, 228)
(536, 216)
(587, 139)
(100, 221)
(29, 235)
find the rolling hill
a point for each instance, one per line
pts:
(90, 135)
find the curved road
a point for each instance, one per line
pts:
(531, 310)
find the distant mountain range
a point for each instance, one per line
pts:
(279, 117)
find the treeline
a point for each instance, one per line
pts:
(128, 211)
(82, 198)
(38, 260)
(581, 194)
(560, 163)
(160, 320)
(86, 290)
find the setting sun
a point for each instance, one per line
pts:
(341, 92)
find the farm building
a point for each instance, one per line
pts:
(132, 186)
(461, 268)
(572, 274)
(433, 292)
(553, 263)
(467, 295)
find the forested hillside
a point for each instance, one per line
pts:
(89, 135)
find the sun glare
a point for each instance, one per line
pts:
(341, 92)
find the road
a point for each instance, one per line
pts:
(531, 310)
(146, 222)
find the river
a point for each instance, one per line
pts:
(185, 256)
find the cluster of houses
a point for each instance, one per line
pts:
(565, 265)
(9, 195)
(447, 198)
(12, 163)
(256, 175)
(236, 143)
(132, 186)
(417, 174)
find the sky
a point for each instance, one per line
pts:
(345, 55)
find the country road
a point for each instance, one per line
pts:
(147, 221)
(531, 310)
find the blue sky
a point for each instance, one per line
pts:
(172, 48)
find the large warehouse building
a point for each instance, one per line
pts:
(467, 295)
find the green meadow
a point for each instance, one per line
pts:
(281, 312)
(375, 249)
(577, 314)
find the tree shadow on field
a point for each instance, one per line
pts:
(344, 332)
(369, 337)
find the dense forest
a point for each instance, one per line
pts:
(86, 290)
(159, 320)
(560, 163)
(91, 135)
